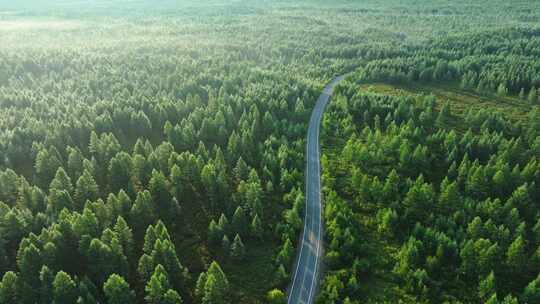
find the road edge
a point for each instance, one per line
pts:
(329, 90)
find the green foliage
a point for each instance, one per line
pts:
(157, 286)
(164, 138)
(256, 227)
(86, 189)
(276, 296)
(486, 288)
(213, 286)
(166, 206)
(172, 297)
(9, 288)
(64, 289)
(435, 205)
(117, 290)
(286, 253)
(531, 294)
(238, 250)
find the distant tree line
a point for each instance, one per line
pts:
(498, 62)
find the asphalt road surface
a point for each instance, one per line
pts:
(305, 276)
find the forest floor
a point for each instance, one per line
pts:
(249, 278)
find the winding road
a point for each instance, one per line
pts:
(305, 278)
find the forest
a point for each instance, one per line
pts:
(431, 199)
(153, 151)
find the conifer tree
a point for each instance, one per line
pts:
(216, 286)
(215, 233)
(238, 249)
(487, 287)
(239, 222)
(61, 181)
(86, 189)
(157, 286)
(533, 96)
(256, 227)
(46, 278)
(167, 208)
(9, 288)
(64, 289)
(117, 290)
(225, 244)
(522, 94)
(502, 90)
(276, 296)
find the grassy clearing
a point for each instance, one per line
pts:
(460, 100)
(250, 276)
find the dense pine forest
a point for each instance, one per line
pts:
(153, 151)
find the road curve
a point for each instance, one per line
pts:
(305, 277)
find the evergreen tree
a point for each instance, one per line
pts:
(502, 90)
(239, 222)
(238, 250)
(164, 253)
(516, 255)
(531, 294)
(225, 244)
(166, 206)
(223, 224)
(241, 170)
(443, 117)
(281, 274)
(509, 299)
(64, 289)
(117, 291)
(125, 237)
(487, 287)
(172, 297)
(199, 287)
(522, 94)
(142, 212)
(215, 233)
(256, 227)
(47, 163)
(30, 263)
(533, 96)
(492, 299)
(86, 189)
(216, 286)
(74, 162)
(46, 279)
(58, 200)
(142, 170)
(120, 172)
(286, 253)
(61, 181)
(145, 267)
(9, 288)
(276, 296)
(157, 286)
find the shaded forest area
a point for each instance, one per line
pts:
(154, 153)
